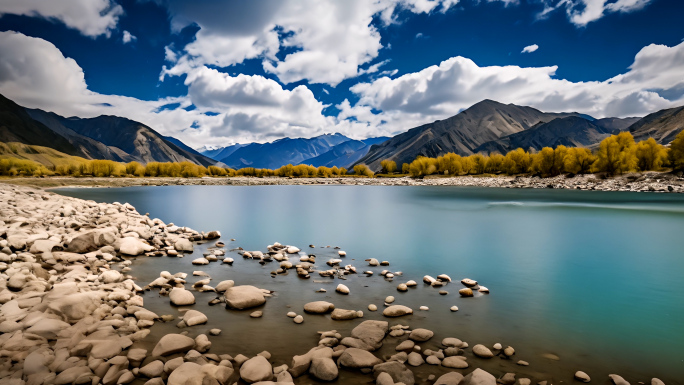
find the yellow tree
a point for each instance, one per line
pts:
(405, 168)
(450, 164)
(578, 160)
(617, 154)
(650, 155)
(388, 166)
(478, 163)
(494, 163)
(362, 170)
(516, 162)
(543, 161)
(559, 154)
(676, 153)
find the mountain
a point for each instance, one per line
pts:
(220, 152)
(615, 125)
(282, 151)
(663, 126)
(16, 125)
(463, 133)
(85, 146)
(345, 154)
(572, 131)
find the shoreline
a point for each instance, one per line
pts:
(643, 182)
(71, 311)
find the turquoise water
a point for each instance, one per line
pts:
(595, 278)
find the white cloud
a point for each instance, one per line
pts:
(330, 40)
(127, 37)
(530, 48)
(438, 92)
(583, 12)
(90, 17)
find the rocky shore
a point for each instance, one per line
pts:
(72, 313)
(643, 182)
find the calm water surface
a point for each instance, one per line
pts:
(595, 278)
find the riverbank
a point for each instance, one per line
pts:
(643, 182)
(72, 312)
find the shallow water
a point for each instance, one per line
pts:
(592, 277)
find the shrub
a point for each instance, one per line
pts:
(362, 170)
(388, 166)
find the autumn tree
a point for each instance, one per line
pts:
(449, 164)
(516, 162)
(617, 154)
(650, 155)
(543, 162)
(494, 163)
(388, 166)
(362, 170)
(478, 163)
(405, 168)
(676, 153)
(423, 166)
(578, 160)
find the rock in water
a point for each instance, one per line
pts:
(358, 358)
(319, 307)
(618, 380)
(323, 368)
(194, 317)
(342, 289)
(397, 311)
(371, 332)
(466, 292)
(456, 362)
(344, 314)
(581, 376)
(453, 378)
(482, 351)
(173, 343)
(396, 370)
(181, 297)
(183, 245)
(421, 335)
(244, 297)
(256, 369)
(478, 377)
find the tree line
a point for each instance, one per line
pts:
(615, 155)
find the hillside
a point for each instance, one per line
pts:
(663, 125)
(572, 131)
(462, 134)
(43, 155)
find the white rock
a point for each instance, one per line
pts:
(181, 297)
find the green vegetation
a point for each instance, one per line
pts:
(616, 154)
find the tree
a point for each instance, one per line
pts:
(579, 160)
(478, 164)
(362, 170)
(388, 166)
(449, 164)
(494, 163)
(617, 154)
(405, 168)
(676, 153)
(650, 155)
(544, 161)
(559, 154)
(423, 166)
(516, 162)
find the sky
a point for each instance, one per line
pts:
(218, 72)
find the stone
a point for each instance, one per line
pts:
(189, 373)
(433, 360)
(389, 299)
(173, 343)
(509, 351)
(200, 261)
(421, 335)
(455, 362)
(256, 314)
(478, 377)
(617, 379)
(581, 376)
(358, 358)
(194, 317)
(384, 379)
(397, 311)
(202, 343)
(74, 375)
(452, 342)
(454, 308)
(256, 369)
(469, 282)
(184, 245)
(482, 351)
(498, 346)
(153, 369)
(323, 368)
(47, 328)
(466, 292)
(405, 345)
(453, 378)
(244, 297)
(372, 307)
(507, 379)
(656, 381)
(132, 246)
(342, 289)
(224, 285)
(344, 314)
(74, 307)
(319, 307)
(181, 297)
(371, 333)
(111, 276)
(398, 371)
(298, 319)
(415, 359)
(402, 287)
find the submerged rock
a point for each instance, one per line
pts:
(244, 297)
(397, 311)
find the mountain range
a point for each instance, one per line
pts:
(103, 137)
(485, 127)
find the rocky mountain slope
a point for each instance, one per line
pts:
(663, 125)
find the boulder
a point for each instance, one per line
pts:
(452, 342)
(344, 314)
(173, 343)
(83, 243)
(153, 369)
(224, 285)
(453, 378)
(581, 376)
(74, 307)
(183, 244)
(244, 297)
(189, 373)
(398, 371)
(358, 358)
(74, 375)
(181, 297)
(342, 289)
(617, 379)
(415, 359)
(323, 368)
(371, 333)
(200, 261)
(194, 317)
(319, 307)
(48, 328)
(421, 335)
(482, 351)
(456, 362)
(132, 246)
(111, 276)
(478, 377)
(256, 369)
(397, 311)
(466, 292)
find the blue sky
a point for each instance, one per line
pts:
(215, 72)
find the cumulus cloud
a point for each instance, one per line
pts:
(530, 48)
(583, 12)
(90, 17)
(127, 37)
(438, 92)
(327, 40)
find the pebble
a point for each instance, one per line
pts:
(372, 307)
(454, 308)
